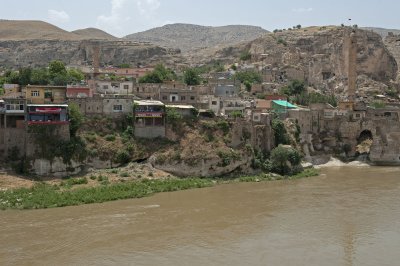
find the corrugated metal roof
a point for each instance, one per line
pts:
(284, 103)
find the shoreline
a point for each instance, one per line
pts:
(72, 192)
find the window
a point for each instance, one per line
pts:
(192, 98)
(214, 103)
(126, 87)
(117, 108)
(164, 98)
(48, 94)
(105, 87)
(183, 98)
(35, 93)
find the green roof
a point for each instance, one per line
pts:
(284, 104)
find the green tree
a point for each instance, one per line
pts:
(56, 67)
(25, 76)
(40, 76)
(285, 160)
(75, 117)
(158, 75)
(191, 77)
(280, 133)
(75, 75)
(58, 73)
(295, 87)
(250, 76)
(12, 77)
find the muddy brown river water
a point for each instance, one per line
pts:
(346, 216)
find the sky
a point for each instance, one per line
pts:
(123, 17)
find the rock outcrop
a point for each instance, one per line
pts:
(38, 53)
(188, 37)
(318, 55)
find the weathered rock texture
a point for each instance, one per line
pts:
(320, 55)
(36, 43)
(40, 52)
(392, 42)
(188, 37)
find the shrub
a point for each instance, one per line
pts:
(124, 174)
(110, 137)
(122, 157)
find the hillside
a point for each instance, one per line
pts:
(33, 29)
(318, 55)
(382, 31)
(36, 43)
(93, 33)
(188, 36)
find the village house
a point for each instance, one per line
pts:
(47, 114)
(149, 119)
(114, 87)
(79, 91)
(38, 94)
(108, 105)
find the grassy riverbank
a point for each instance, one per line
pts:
(43, 195)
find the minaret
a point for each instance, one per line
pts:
(351, 59)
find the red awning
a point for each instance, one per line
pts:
(48, 109)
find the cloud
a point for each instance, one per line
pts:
(147, 8)
(114, 21)
(58, 16)
(128, 16)
(302, 9)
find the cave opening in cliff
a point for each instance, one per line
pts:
(364, 142)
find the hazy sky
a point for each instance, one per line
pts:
(122, 17)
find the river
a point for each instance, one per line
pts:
(346, 216)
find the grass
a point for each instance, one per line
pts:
(43, 195)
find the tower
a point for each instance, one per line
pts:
(351, 62)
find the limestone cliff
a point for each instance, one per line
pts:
(318, 55)
(37, 53)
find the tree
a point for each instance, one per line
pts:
(295, 87)
(75, 75)
(75, 118)
(250, 75)
(280, 133)
(298, 26)
(56, 67)
(25, 76)
(40, 76)
(12, 77)
(285, 159)
(279, 158)
(58, 73)
(191, 77)
(158, 75)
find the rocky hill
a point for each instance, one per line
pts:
(93, 33)
(33, 29)
(36, 43)
(317, 55)
(382, 31)
(188, 37)
(392, 42)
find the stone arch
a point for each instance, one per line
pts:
(364, 135)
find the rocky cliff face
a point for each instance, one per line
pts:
(38, 53)
(319, 55)
(188, 37)
(392, 42)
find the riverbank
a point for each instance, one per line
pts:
(75, 191)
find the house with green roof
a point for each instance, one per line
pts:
(281, 106)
